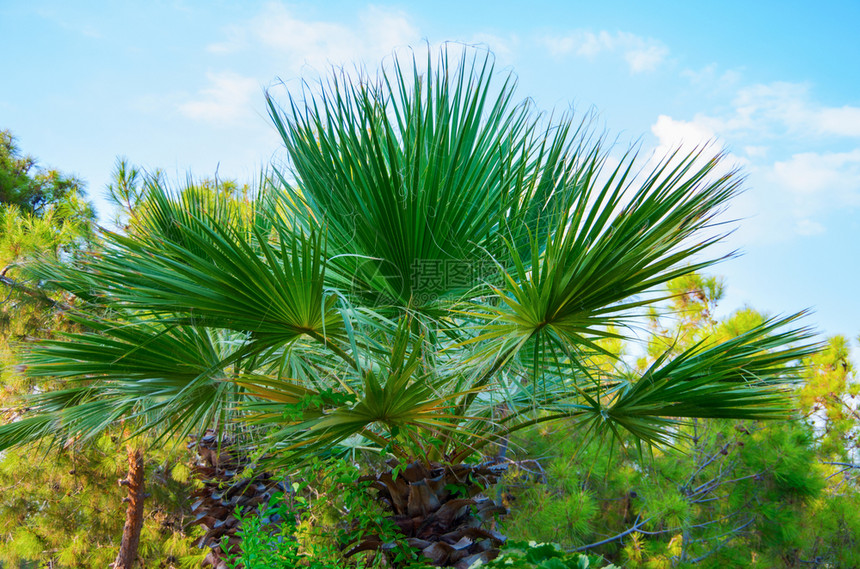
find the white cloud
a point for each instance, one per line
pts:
(67, 22)
(754, 151)
(278, 31)
(687, 137)
(228, 98)
(645, 58)
(802, 158)
(236, 40)
(711, 77)
(833, 177)
(582, 43)
(641, 54)
(281, 41)
(779, 108)
(672, 133)
(844, 121)
(385, 30)
(808, 227)
(504, 48)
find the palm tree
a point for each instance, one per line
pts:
(435, 271)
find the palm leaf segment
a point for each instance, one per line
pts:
(309, 315)
(420, 172)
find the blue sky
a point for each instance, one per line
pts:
(179, 86)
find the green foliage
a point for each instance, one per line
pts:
(567, 509)
(65, 508)
(305, 287)
(528, 555)
(351, 303)
(61, 506)
(42, 214)
(34, 190)
(325, 512)
(828, 398)
(736, 495)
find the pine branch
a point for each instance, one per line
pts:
(636, 527)
(847, 465)
(731, 534)
(35, 293)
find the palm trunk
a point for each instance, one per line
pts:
(442, 511)
(127, 555)
(222, 493)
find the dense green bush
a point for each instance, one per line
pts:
(533, 555)
(324, 514)
(731, 494)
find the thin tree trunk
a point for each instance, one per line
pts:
(134, 513)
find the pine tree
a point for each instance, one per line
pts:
(738, 495)
(61, 506)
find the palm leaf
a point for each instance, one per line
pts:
(156, 376)
(414, 176)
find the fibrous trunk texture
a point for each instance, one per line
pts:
(442, 511)
(127, 555)
(215, 503)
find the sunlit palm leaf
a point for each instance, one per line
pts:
(398, 406)
(269, 285)
(354, 297)
(616, 243)
(417, 174)
(743, 377)
(164, 377)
